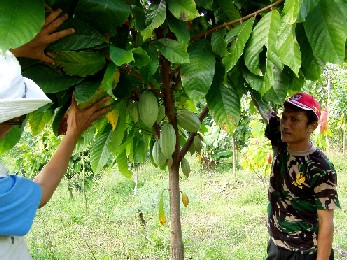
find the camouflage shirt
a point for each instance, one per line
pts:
(300, 184)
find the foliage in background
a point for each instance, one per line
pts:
(32, 153)
(331, 90)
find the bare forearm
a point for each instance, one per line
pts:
(51, 175)
(325, 239)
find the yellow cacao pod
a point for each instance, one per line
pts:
(148, 108)
(167, 140)
(188, 120)
(185, 199)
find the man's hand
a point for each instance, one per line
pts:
(79, 120)
(35, 49)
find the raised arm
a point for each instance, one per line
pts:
(78, 121)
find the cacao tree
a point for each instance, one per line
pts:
(188, 54)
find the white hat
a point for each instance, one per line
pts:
(18, 95)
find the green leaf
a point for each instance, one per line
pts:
(306, 7)
(85, 37)
(197, 76)
(156, 17)
(38, 120)
(288, 48)
(86, 90)
(291, 10)
(79, 63)
(99, 153)
(243, 32)
(139, 17)
(20, 21)
(120, 56)
(122, 163)
(111, 78)
(206, 4)
(105, 16)
(312, 66)
(49, 79)
(180, 29)
(174, 51)
(274, 65)
(219, 46)
(223, 102)
(141, 57)
(326, 29)
(225, 10)
(183, 9)
(256, 82)
(10, 139)
(264, 35)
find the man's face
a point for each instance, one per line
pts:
(294, 129)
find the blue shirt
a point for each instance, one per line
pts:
(19, 200)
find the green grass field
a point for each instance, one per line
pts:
(225, 219)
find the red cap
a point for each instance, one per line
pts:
(306, 102)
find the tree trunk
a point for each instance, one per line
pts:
(176, 246)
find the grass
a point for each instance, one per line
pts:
(225, 219)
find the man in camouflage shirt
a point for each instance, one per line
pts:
(302, 192)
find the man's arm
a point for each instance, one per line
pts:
(325, 233)
(78, 121)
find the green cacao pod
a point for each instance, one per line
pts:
(148, 108)
(161, 113)
(158, 156)
(188, 121)
(134, 112)
(197, 144)
(167, 140)
(185, 167)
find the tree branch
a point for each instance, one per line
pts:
(240, 20)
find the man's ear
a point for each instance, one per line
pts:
(313, 126)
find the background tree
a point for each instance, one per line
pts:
(183, 54)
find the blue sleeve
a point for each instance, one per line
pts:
(19, 200)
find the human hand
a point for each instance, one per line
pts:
(80, 120)
(35, 49)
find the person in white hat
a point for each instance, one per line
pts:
(20, 197)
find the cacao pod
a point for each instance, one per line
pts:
(148, 108)
(158, 156)
(167, 140)
(134, 112)
(161, 113)
(185, 199)
(197, 144)
(188, 120)
(185, 167)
